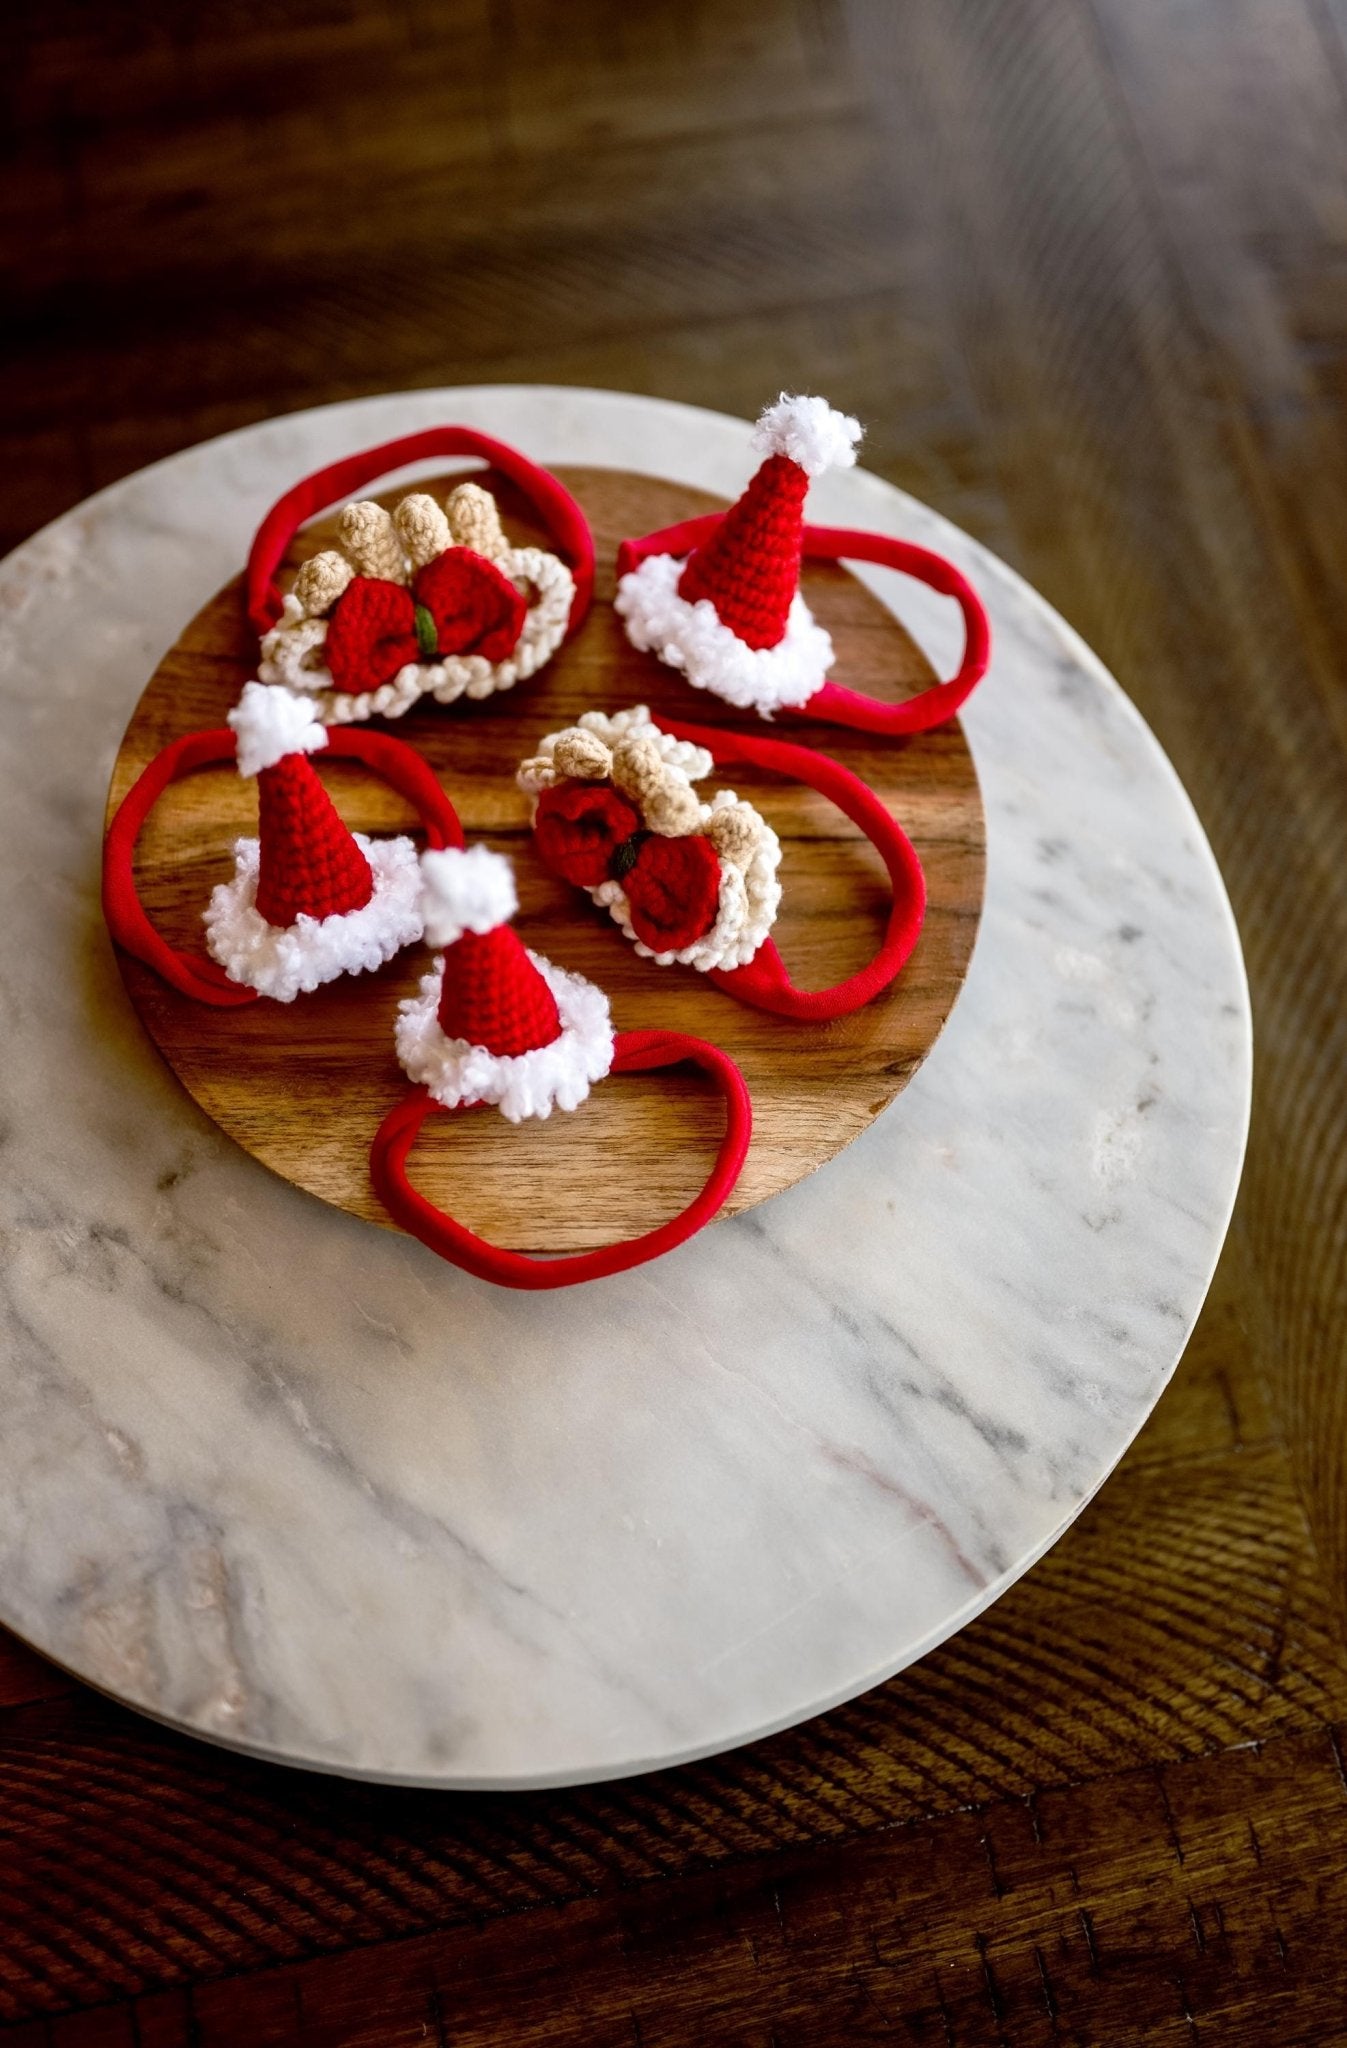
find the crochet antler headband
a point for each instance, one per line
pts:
(617, 813)
(718, 597)
(695, 883)
(428, 600)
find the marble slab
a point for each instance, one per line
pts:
(284, 1480)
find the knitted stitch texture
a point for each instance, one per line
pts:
(371, 634)
(673, 892)
(580, 827)
(616, 813)
(493, 996)
(425, 601)
(310, 864)
(458, 604)
(588, 834)
(476, 608)
(750, 568)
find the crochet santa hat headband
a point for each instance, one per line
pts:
(695, 883)
(493, 1022)
(309, 899)
(496, 1024)
(718, 596)
(426, 600)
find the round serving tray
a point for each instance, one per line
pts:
(297, 1486)
(303, 1086)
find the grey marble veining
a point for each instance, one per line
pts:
(289, 1482)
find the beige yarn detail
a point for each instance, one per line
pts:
(321, 581)
(370, 541)
(475, 522)
(674, 812)
(655, 771)
(638, 769)
(735, 832)
(580, 754)
(422, 528)
(394, 546)
(667, 799)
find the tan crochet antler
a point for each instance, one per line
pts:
(660, 788)
(475, 519)
(371, 541)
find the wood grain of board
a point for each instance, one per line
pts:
(303, 1086)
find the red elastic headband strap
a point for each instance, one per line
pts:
(831, 702)
(636, 1052)
(553, 503)
(397, 764)
(764, 981)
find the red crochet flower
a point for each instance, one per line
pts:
(673, 890)
(474, 605)
(458, 604)
(371, 634)
(578, 828)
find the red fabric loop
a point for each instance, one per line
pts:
(636, 1052)
(764, 981)
(832, 703)
(565, 522)
(397, 764)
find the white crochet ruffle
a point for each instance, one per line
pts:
(694, 638)
(523, 1084)
(286, 961)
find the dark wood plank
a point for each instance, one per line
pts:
(1008, 1922)
(993, 1925)
(1079, 264)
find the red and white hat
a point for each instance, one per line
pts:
(731, 615)
(310, 900)
(494, 1022)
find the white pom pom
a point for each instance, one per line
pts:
(810, 431)
(465, 890)
(272, 723)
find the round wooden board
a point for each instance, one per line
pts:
(303, 1086)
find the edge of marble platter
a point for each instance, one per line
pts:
(207, 558)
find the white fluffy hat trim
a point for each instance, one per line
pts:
(288, 961)
(524, 1084)
(270, 724)
(696, 639)
(465, 889)
(810, 432)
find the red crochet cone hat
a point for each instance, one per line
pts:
(750, 568)
(491, 993)
(308, 862)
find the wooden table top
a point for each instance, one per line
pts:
(1078, 265)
